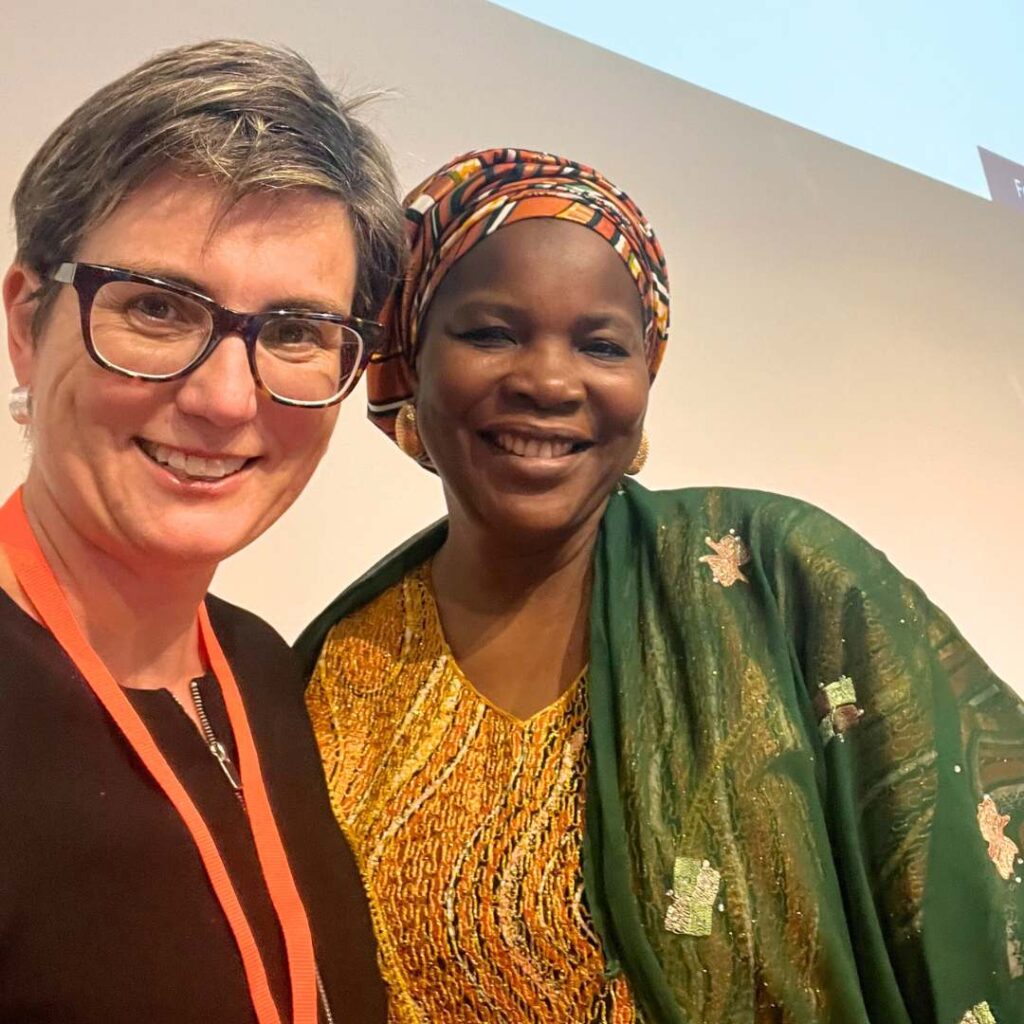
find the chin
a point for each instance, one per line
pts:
(190, 540)
(538, 517)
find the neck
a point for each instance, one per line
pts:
(139, 619)
(483, 569)
(514, 609)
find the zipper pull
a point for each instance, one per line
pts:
(218, 751)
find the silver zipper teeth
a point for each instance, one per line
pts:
(221, 755)
(197, 703)
(324, 1005)
(215, 745)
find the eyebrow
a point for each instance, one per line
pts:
(484, 304)
(504, 308)
(291, 303)
(593, 321)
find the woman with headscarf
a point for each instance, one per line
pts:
(606, 754)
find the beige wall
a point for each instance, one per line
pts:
(845, 330)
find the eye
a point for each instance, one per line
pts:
(294, 334)
(605, 348)
(158, 307)
(487, 337)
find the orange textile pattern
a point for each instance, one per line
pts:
(466, 824)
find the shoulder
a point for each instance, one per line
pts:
(371, 636)
(365, 655)
(375, 581)
(772, 515)
(256, 651)
(784, 534)
(697, 500)
(238, 624)
(34, 668)
(16, 625)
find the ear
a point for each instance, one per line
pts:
(20, 285)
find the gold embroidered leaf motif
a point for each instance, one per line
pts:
(1001, 848)
(836, 703)
(980, 1014)
(841, 692)
(694, 890)
(729, 554)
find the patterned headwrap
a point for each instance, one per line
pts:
(471, 198)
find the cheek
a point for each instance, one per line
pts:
(624, 404)
(435, 423)
(120, 401)
(72, 399)
(449, 389)
(57, 349)
(300, 436)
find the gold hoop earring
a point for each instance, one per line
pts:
(407, 434)
(640, 458)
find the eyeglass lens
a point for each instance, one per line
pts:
(150, 331)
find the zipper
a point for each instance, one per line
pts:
(231, 773)
(215, 745)
(324, 1005)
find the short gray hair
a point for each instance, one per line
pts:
(251, 117)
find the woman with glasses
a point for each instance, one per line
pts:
(195, 245)
(605, 754)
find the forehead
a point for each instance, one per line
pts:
(191, 227)
(544, 258)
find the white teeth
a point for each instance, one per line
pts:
(192, 465)
(532, 447)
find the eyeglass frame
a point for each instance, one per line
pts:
(224, 322)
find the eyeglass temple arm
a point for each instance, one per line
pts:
(65, 273)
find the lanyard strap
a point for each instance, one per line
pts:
(44, 591)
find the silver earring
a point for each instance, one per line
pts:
(19, 404)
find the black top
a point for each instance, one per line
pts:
(106, 912)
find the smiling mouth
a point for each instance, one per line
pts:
(184, 466)
(528, 447)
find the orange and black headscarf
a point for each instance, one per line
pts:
(472, 197)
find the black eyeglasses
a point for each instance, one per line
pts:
(150, 329)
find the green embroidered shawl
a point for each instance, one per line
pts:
(857, 883)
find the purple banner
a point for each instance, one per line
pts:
(1005, 179)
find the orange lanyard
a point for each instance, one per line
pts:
(38, 581)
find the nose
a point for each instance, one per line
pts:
(222, 389)
(546, 374)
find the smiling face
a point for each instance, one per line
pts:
(532, 380)
(189, 471)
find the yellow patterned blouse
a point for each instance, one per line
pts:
(466, 824)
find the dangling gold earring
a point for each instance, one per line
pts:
(406, 432)
(641, 455)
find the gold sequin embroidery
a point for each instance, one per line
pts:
(980, 1014)
(694, 890)
(836, 703)
(466, 824)
(729, 554)
(1002, 850)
